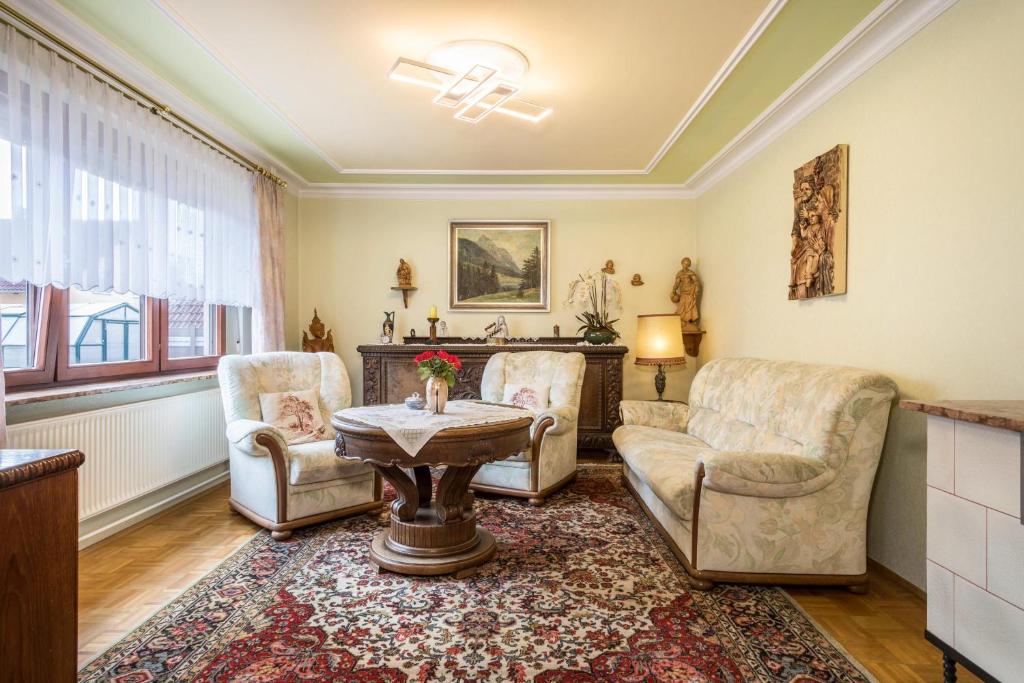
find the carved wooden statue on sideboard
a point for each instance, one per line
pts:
(319, 341)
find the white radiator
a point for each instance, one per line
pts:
(134, 449)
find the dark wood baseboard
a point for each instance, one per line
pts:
(874, 567)
(704, 579)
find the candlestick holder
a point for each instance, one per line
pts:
(433, 329)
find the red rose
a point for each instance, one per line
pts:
(443, 355)
(426, 355)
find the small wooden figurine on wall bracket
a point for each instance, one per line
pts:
(609, 267)
(685, 292)
(318, 342)
(404, 275)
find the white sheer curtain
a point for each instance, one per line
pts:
(98, 192)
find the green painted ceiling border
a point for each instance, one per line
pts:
(799, 36)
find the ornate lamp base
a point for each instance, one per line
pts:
(659, 381)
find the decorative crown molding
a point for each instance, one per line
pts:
(762, 23)
(887, 27)
(493, 191)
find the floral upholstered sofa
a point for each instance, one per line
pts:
(766, 475)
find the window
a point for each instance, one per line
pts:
(105, 328)
(52, 336)
(16, 324)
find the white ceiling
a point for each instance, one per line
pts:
(619, 74)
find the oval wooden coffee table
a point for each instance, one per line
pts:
(430, 537)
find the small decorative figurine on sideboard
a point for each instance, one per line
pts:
(387, 334)
(404, 275)
(319, 341)
(497, 332)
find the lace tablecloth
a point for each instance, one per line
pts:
(412, 429)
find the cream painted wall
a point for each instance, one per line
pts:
(935, 243)
(349, 250)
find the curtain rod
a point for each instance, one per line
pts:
(132, 92)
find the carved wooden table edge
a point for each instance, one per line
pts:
(431, 537)
(20, 465)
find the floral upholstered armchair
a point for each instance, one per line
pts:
(548, 383)
(284, 472)
(765, 477)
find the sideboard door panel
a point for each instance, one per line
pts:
(591, 398)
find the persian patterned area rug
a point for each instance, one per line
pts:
(582, 589)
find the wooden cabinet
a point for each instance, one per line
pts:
(389, 375)
(38, 565)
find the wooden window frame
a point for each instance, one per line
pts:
(68, 372)
(52, 366)
(168, 364)
(44, 358)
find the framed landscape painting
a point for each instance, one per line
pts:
(499, 266)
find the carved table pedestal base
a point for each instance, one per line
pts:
(427, 538)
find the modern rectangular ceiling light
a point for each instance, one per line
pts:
(473, 77)
(464, 86)
(481, 105)
(420, 73)
(523, 109)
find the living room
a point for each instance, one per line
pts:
(399, 341)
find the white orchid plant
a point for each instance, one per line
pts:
(597, 297)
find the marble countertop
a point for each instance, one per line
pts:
(1000, 414)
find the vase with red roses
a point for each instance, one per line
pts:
(438, 370)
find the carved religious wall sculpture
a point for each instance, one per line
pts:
(319, 341)
(685, 291)
(818, 255)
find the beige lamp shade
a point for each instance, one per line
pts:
(659, 339)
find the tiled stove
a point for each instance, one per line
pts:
(975, 535)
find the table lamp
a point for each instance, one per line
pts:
(659, 341)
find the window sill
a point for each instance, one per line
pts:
(20, 398)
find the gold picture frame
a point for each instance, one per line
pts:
(499, 265)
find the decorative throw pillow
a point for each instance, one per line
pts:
(296, 414)
(532, 397)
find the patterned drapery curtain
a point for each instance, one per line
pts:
(98, 192)
(268, 313)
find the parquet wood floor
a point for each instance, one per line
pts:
(127, 577)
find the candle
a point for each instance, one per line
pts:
(433, 312)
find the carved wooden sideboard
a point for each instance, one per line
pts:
(39, 565)
(389, 375)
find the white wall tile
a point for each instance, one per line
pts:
(988, 466)
(956, 535)
(1005, 557)
(940, 603)
(989, 631)
(940, 453)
